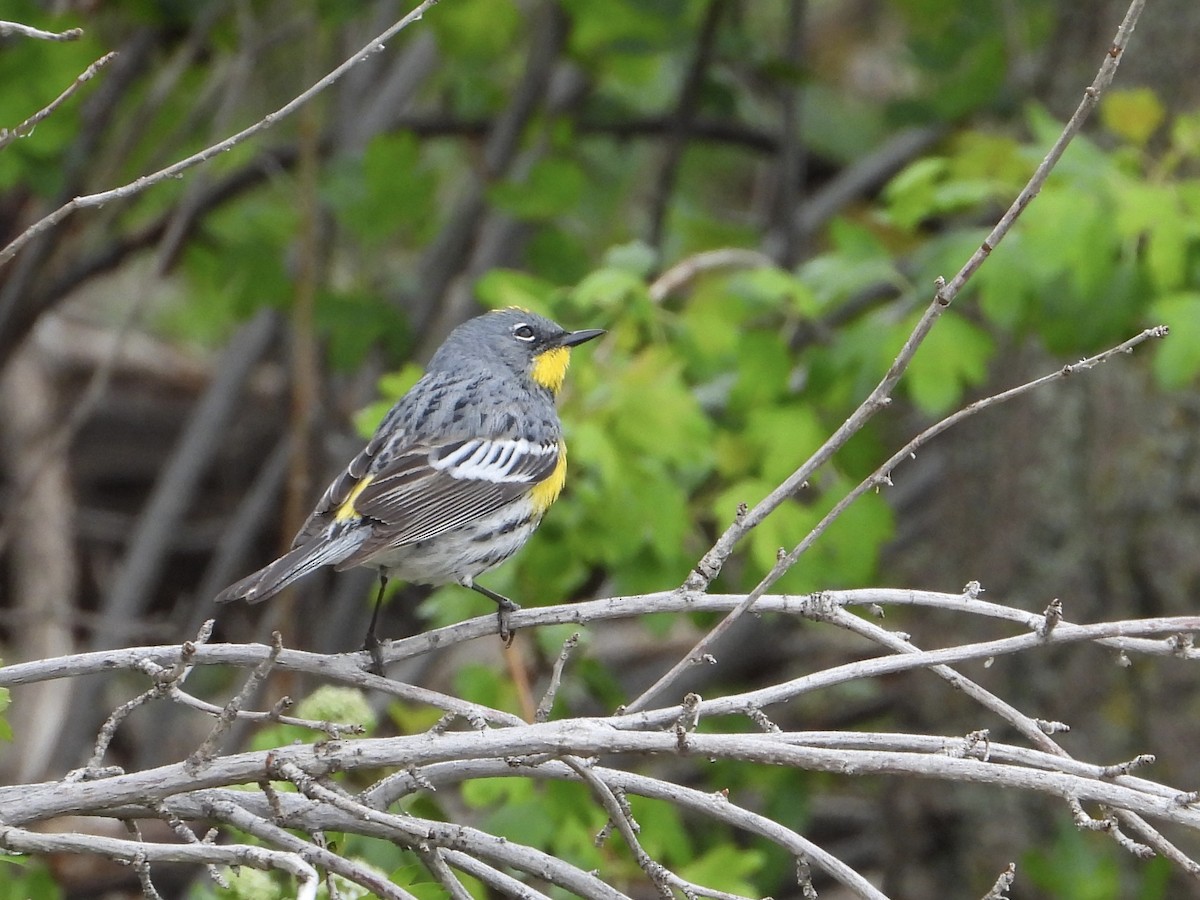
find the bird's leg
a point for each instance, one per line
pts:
(504, 608)
(372, 644)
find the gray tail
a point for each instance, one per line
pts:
(270, 580)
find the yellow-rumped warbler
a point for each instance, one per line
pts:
(458, 474)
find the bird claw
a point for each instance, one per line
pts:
(503, 611)
(374, 646)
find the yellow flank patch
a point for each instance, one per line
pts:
(347, 510)
(546, 492)
(550, 368)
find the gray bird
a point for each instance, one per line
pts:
(458, 475)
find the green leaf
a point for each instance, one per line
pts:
(1133, 114)
(609, 288)
(412, 718)
(637, 257)
(354, 323)
(1185, 134)
(1074, 866)
(996, 158)
(481, 792)
(341, 705)
(855, 240)
(388, 192)
(553, 188)
(953, 357)
(1007, 285)
(524, 821)
(725, 867)
(769, 288)
(501, 288)
(663, 833)
(763, 368)
(782, 438)
(558, 255)
(910, 193)
(652, 412)
(251, 884)
(5, 729)
(847, 554)
(836, 277)
(1156, 215)
(480, 684)
(1177, 360)
(781, 530)
(477, 32)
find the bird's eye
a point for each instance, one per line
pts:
(523, 332)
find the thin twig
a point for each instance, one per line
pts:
(334, 730)
(10, 28)
(347, 668)
(141, 865)
(910, 660)
(23, 841)
(688, 268)
(165, 680)
(578, 737)
(246, 821)
(204, 754)
(619, 817)
(547, 702)
(26, 127)
(999, 890)
(188, 836)
(883, 474)
(137, 186)
(413, 831)
(435, 862)
(715, 806)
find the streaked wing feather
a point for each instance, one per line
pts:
(339, 490)
(429, 491)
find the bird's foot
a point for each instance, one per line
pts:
(504, 609)
(374, 646)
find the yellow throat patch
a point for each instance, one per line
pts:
(546, 492)
(550, 368)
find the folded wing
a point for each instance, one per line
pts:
(429, 490)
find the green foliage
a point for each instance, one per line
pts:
(38, 162)
(5, 728)
(387, 193)
(1111, 242)
(22, 878)
(552, 189)
(951, 359)
(1178, 362)
(1078, 865)
(252, 884)
(328, 703)
(1133, 115)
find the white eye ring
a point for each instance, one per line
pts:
(522, 332)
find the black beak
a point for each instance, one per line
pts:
(574, 338)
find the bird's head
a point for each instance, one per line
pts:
(522, 340)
